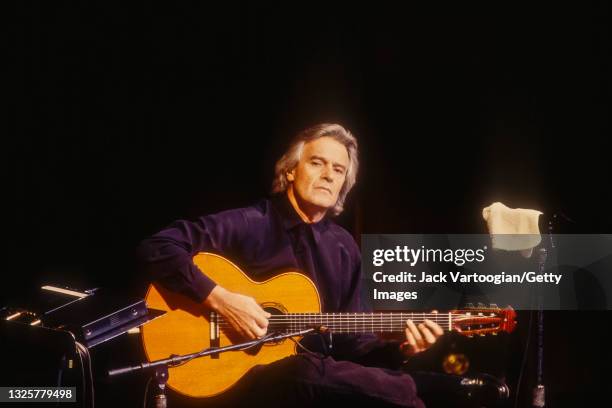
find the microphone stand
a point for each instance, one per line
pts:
(539, 394)
(160, 367)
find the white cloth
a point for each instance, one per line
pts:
(513, 229)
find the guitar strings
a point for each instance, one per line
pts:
(372, 321)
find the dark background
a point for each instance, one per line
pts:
(124, 118)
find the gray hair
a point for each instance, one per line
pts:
(292, 156)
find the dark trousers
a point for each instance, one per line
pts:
(304, 380)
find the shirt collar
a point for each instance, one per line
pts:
(291, 219)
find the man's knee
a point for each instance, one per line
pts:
(314, 378)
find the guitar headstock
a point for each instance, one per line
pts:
(482, 320)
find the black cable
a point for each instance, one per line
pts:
(300, 345)
(318, 356)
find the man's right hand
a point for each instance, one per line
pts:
(242, 312)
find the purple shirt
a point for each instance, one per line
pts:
(263, 240)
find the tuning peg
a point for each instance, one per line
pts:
(481, 305)
(494, 333)
(469, 305)
(482, 334)
(494, 306)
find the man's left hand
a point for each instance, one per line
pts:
(420, 337)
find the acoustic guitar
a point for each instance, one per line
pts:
(294, 303)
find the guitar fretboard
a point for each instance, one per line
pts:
(354, 322)
(357, 322)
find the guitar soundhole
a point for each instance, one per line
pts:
(274, 311)
(274, 325)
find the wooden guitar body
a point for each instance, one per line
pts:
(187, 326)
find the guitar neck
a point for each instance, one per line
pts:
(358, 322)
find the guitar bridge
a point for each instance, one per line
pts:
(214, 333)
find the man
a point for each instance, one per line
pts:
(292, 230)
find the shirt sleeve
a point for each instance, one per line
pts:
(167, 256)
(366, 349)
